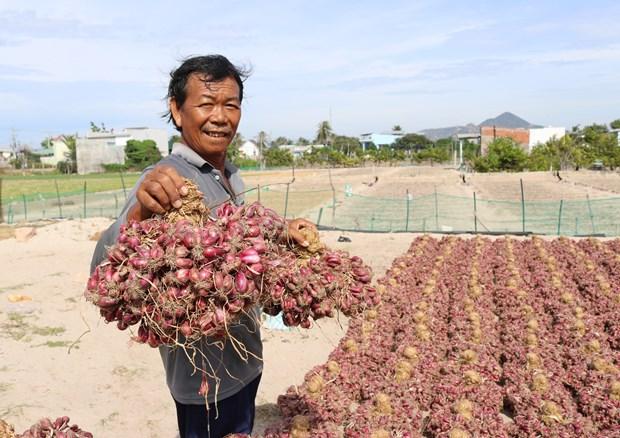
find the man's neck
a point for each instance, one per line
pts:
(218, 162)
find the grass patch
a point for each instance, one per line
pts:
(56, 344)
(48, 331)
(13, 187)
(18, 329)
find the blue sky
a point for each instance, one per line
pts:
(366, 65)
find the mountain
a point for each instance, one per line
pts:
(508, 120)
(504, 120)
(437, 133)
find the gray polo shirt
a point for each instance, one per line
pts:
(233, 367)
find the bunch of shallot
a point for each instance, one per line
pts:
(59, 428)
(191, 278)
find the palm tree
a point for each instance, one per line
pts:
(324, 133)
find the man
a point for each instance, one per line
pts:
(204, 97)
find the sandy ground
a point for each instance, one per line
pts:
(106, 383)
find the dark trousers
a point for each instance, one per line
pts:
(235, 414)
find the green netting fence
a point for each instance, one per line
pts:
(345, 210)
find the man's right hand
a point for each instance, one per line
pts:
(160, 190)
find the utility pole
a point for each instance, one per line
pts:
(15, 145)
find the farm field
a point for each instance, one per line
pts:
(476, 337)
(409, 198)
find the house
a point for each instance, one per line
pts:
(527, 138)
(521, 136)
(379, 140)
(108, 147)
(6, 155)
(543, 135)
(250, 150)
(56, 152)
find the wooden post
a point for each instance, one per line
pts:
(286, 197)
(436, 211)
(1, 209)
(123, 184)
(25, 207)
(522, 206)
(407, 214)
(329, 172)
(84, 199)
(591, 215)
(58, 198)
(475, 215)
(560, 217)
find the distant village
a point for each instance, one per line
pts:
(102, 147)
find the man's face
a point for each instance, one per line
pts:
(210, 115)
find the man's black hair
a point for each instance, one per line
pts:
(214, 68)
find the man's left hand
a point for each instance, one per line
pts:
(295, 228)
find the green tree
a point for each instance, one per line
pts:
(412, 142)
(324, 133)
(46, 143)
(95, 128)
(281, 141)
(303, 141)
(140, 154)
(433, 154)
(346, 145)
(233, 152)
(615, 124)
(275, 156)
(397, 128)
(595, 142)
(503, 154)
(557, 153)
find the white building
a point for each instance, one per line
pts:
(6, 155)
(379, 140)
(159, 136)
(543, 135)
(250, 150)
(617, 132)
(59, 151)
(108, 147)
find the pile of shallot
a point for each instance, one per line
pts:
(188, 276)
(46, 428)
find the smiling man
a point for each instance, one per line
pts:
(204, 97)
